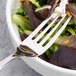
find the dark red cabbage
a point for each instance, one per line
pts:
(34, 19)
(64, 57)
(72, 1)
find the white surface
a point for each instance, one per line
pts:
(16, 67)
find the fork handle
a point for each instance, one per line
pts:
(4, 62)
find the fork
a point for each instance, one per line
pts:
(34, 47)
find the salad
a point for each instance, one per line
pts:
(33, 12)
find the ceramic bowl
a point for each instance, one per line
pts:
(39, 65)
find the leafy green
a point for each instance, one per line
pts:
(71, 41)
(48, 53)
(22, 22)
(42, 2)
(35, 2)
(75, 28)
(56, 29)
(51, 50)
(21, 10)
(21, 32)
(27, 32)
(70, 30)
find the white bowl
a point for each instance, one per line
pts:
(39, 65)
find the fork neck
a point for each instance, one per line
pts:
(23, 50)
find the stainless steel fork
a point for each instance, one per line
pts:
(35, 48)
(38, 48)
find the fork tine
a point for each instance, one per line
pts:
(46, 29)
(51, 32)
(39, 27)
(57, 34)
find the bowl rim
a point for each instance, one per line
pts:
(16, 39)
